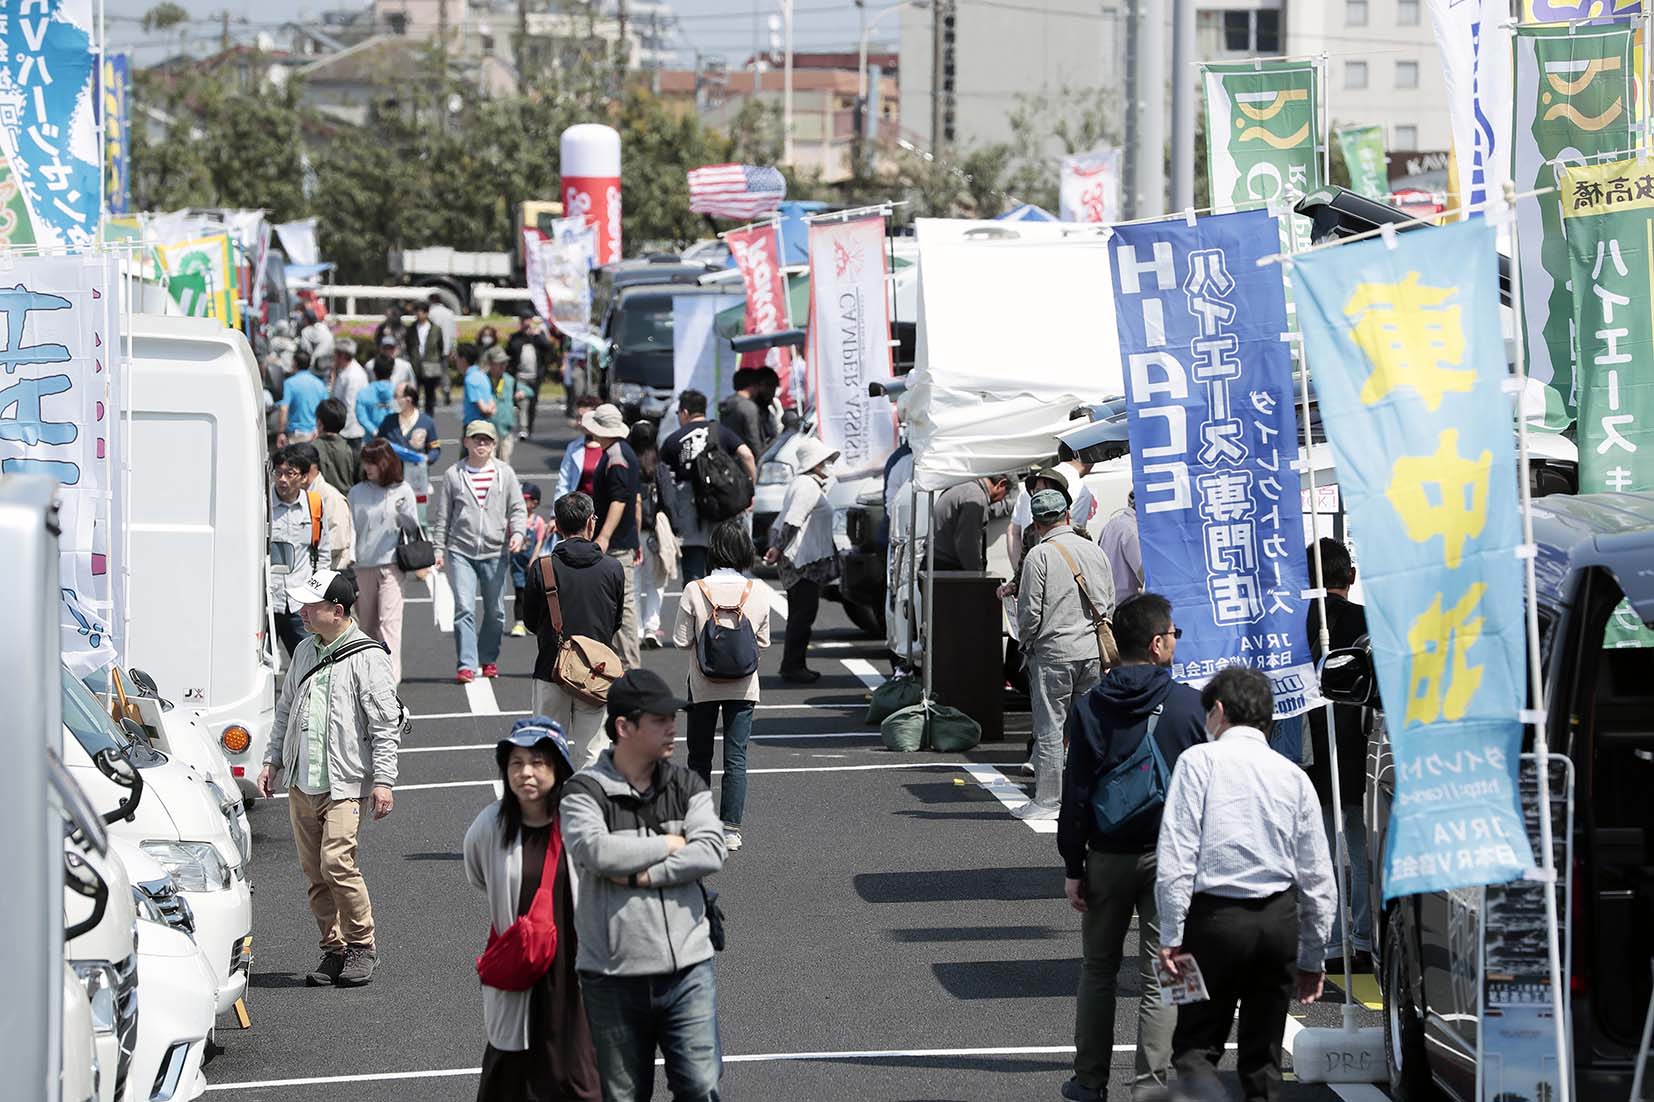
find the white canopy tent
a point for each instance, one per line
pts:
(1015, 329)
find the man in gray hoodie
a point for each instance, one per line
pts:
(642, 834)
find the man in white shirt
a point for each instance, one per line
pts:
(349, 377)
(446, 320)
(1244, 886)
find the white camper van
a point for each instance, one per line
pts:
(198, 521)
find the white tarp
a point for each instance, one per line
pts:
(702, 359)
(1016, 328)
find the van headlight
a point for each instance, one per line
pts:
(630, 393)
(195, 866)
(100, 982)
(775, 473)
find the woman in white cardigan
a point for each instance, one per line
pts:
(539, 1045)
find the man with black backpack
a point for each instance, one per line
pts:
(1109, 872)
(573, 602)
(706, 476)
(338, 725)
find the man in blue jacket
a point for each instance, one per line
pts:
(1108, 875)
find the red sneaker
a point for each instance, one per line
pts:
(490, 670)
(465, 675)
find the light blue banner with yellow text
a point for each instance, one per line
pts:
(1404, 348)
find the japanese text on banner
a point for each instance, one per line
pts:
(1608, 210)
(1214, 444)
(47, 98)
(850, 339)
(756, 251)
(1407, 359)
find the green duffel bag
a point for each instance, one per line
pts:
(899, 692)
(951, 731)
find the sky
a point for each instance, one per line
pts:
(723, 28)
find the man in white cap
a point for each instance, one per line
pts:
(337, 700)
(615, 494)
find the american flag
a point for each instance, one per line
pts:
(735, 191)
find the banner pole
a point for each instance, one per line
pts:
(1536, 686)
(930, 592)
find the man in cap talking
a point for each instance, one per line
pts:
(1066, 586)
(337, 700)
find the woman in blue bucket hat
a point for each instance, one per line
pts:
(539, 1046)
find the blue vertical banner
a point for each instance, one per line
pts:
(48, 101)
(113, 92)
(1214, 444)
(1407, 358)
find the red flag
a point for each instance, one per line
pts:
(757, 254)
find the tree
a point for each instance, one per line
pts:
(163, 17)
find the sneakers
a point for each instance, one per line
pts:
(360, 963)
(518, 630)
(1075, 1091)
(327, 972)
(466, 675)
(490, 670)
(732, 837)
(801, 676)
(649, 642)
(1034, 811)
(522, 436)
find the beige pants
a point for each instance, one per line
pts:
(626, 643)
(507, 444)
(582, 723)
(324, 830)
(379, 609)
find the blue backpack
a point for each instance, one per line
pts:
(1135, 787)
(726, 652)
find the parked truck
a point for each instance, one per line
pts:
(451, 273)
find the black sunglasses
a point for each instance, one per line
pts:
(1175, 633)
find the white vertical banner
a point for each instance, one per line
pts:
(1089, 190)
(58, 376)
(850, 340)
(536, 258)
(1475, 46)
(702, 358)
(298, 240)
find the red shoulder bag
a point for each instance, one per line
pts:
(519, 958)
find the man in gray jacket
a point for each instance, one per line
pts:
(642, 834)
(337, 699)
(1057, 627)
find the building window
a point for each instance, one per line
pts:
(1355, 13)
(1269, 31)
(1407, 13)
(1407, 137)
(1355, 75)
(1407, 74)
(1237, 32)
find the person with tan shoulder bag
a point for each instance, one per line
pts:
(573, 604)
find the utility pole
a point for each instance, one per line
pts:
(1183, 104)
(941, 77)
(224, 31)
(522, 46)
(623, 55)
(1146, 109)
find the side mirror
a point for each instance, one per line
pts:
(114, 765)
(143, 684)
(84, 880)
(1347, 676)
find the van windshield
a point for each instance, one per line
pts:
(646, 326)
(86, 719)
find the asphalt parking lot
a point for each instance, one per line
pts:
(894, 932)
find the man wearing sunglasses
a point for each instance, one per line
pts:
(1108, 875)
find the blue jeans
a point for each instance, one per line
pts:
(631, 1015)
(467, 576)
(1361, 904)
(703, 731)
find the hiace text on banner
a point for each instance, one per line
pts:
(1214, 443)
(756, 251)
(1573, 101)
(200, 277)
(58, 362)
(1407, 358)
(1608, 212)
(1089, 188)
(1363, 149)
(48, 131)
(850, 340)
(1263, 131)
(113, 92)
(1475, 53)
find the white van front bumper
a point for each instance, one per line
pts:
(175, 1015)
(223, 930)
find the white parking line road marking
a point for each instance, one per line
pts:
(422, 787)
(752, 1058)
(865, 670)
(718, 773)
(814, 736)
(778, 604)
(760, 707)
(481, 695)
(458, 715)
(1006, 792)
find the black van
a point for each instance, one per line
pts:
(1596, 552)
(639, 328)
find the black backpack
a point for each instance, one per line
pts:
(722, 488)
(727, 653)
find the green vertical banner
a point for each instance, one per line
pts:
(1573, 88)
(1263, 131)
(1608, 212)
(1364, 158)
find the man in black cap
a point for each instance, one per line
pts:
(642, 834)
(337, 701)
